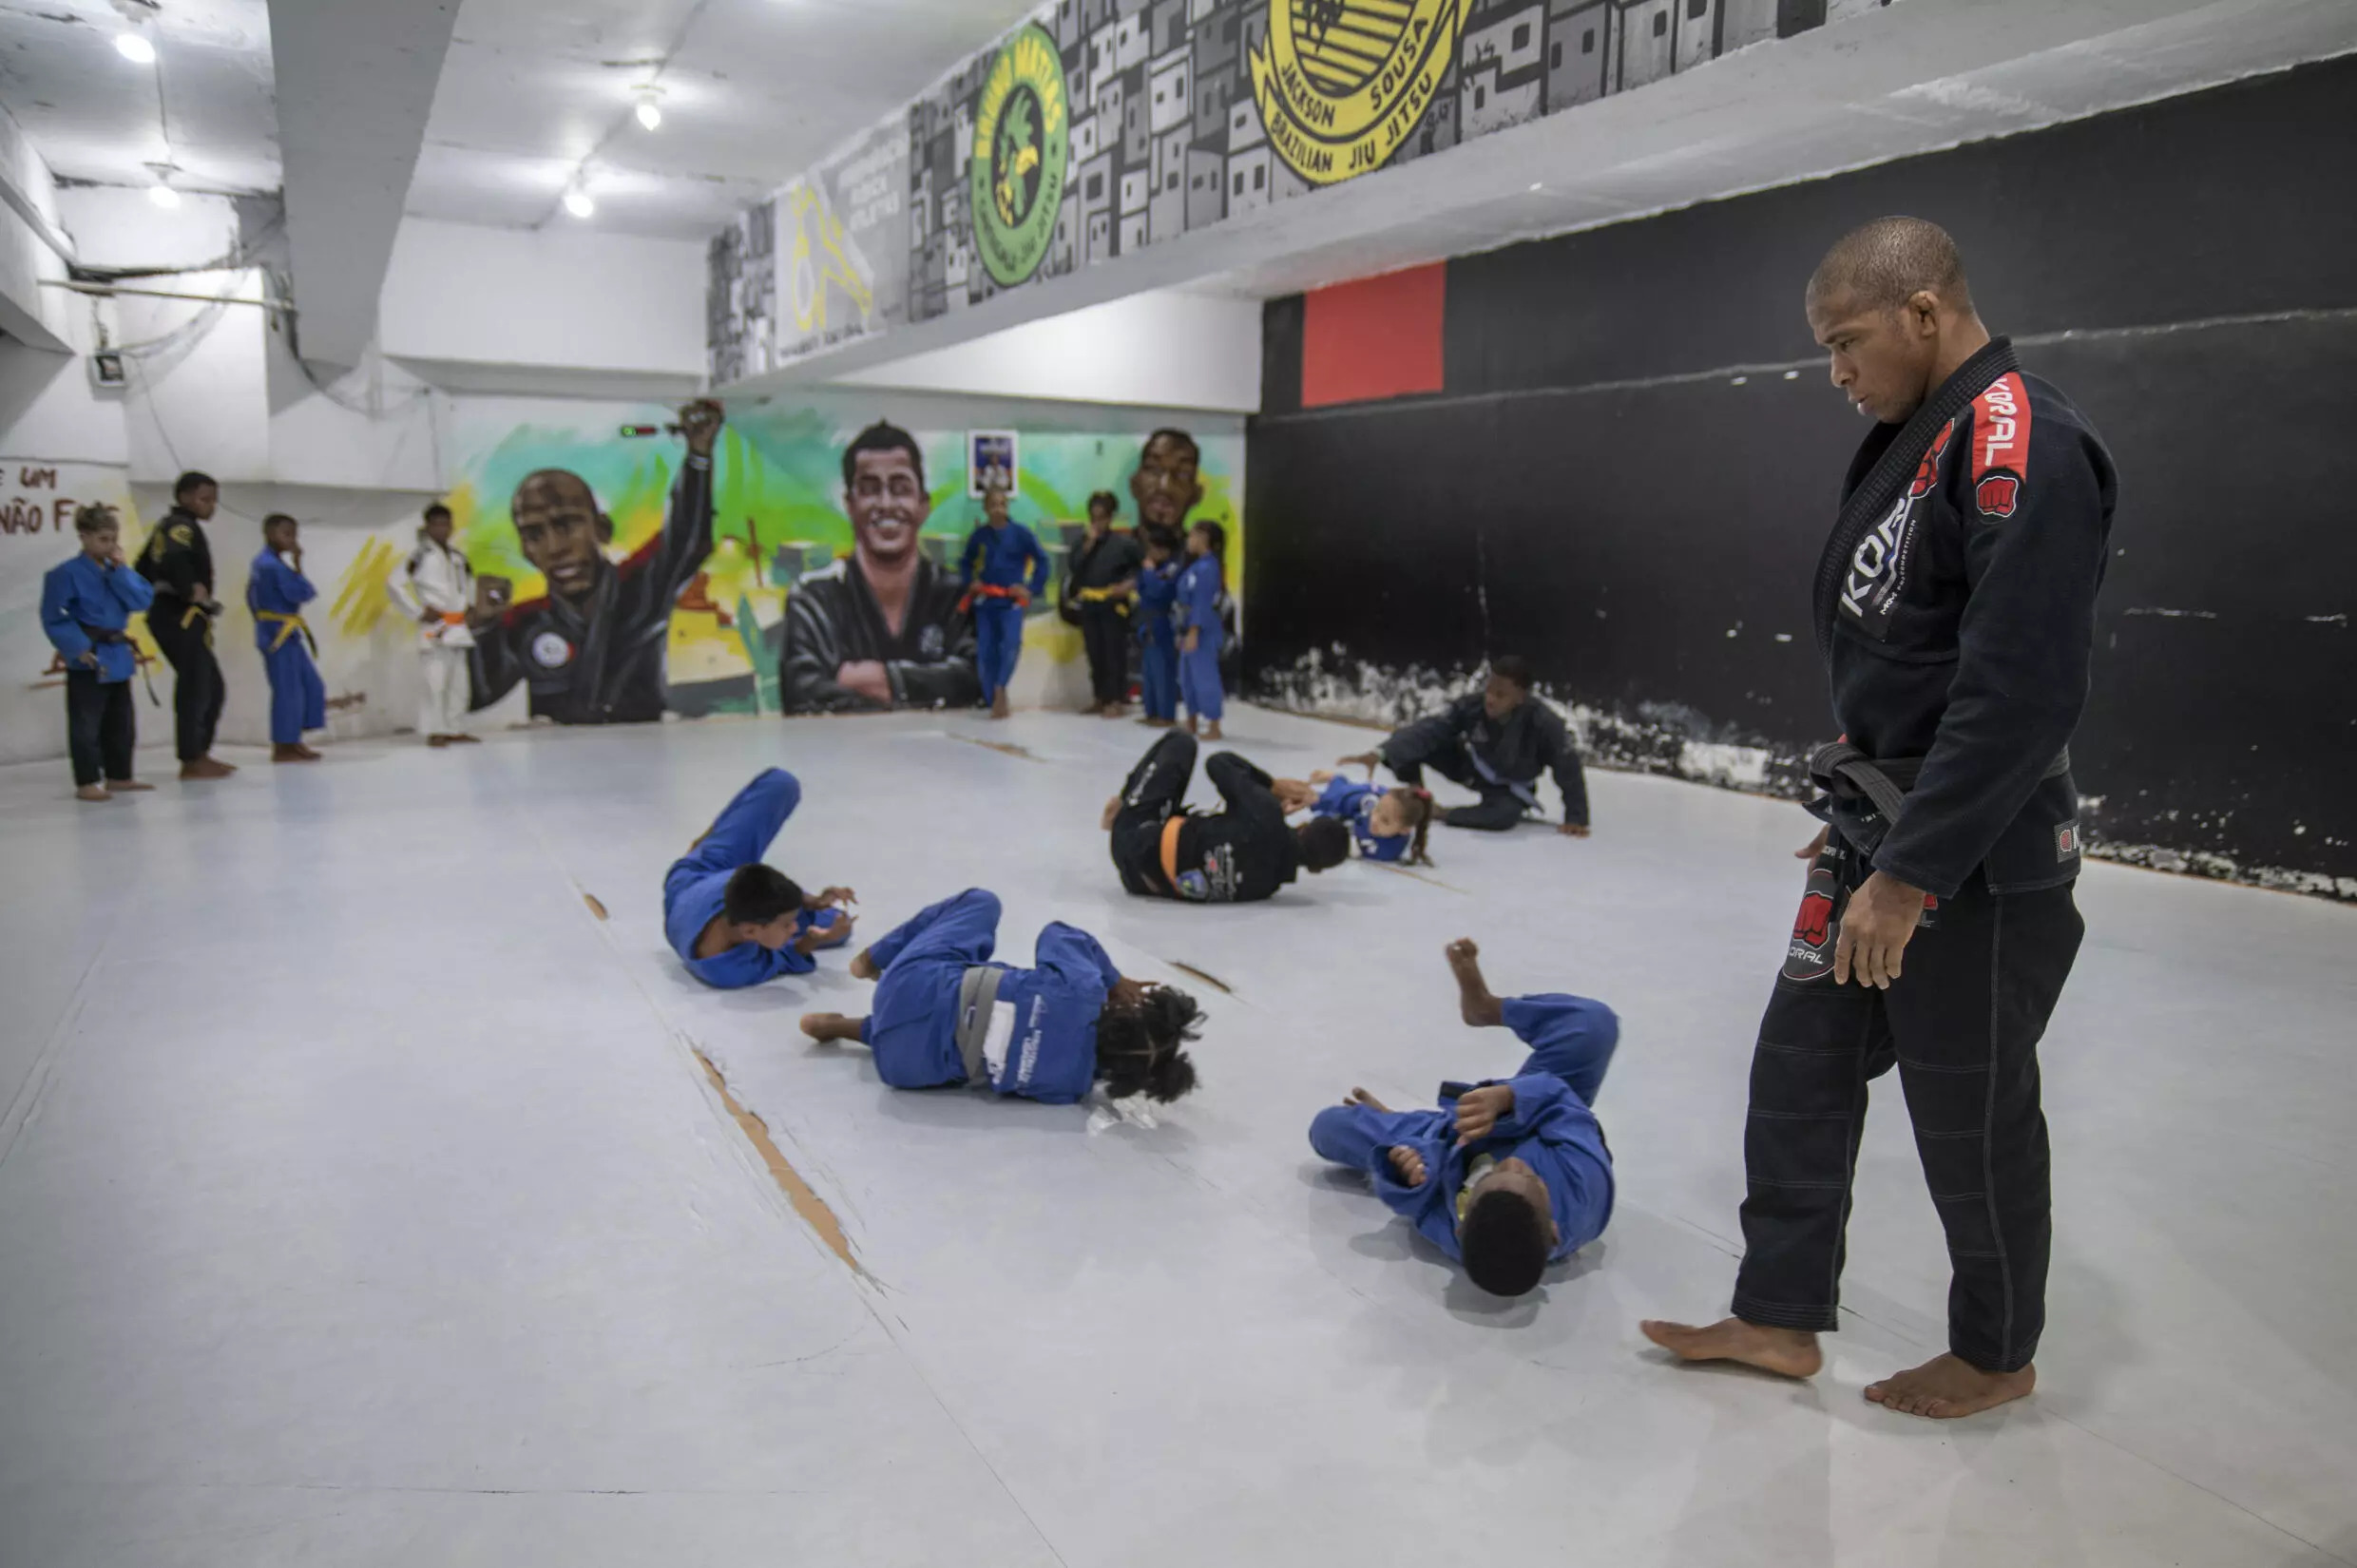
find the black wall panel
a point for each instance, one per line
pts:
(2176, 269)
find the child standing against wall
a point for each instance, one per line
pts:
(276, 591)
(1157, 663)
(1199, 613)
(86, 606)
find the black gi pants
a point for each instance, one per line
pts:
(197, 690)
(101, 728)
(1500, 807)
(1105, 631)
(1976, 985)
(1153, 792)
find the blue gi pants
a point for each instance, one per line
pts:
(910, 1028)
(1569, 1037)
(1199, 677)
(298, 696)
(742, 834)
(998, 643)
(1157, 675)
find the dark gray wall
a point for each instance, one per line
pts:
(1592, 489)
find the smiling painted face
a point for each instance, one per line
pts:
(887, 505)
(560, 529)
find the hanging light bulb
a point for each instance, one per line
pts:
(649, 111)
(135, 48)
(577, 201)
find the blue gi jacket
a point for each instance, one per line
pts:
(696, 888)
(1548, 1129)
(1048, 1033)
(1000, 555)
(1157, 593)
(1199, 597)
(81, 597)
(275, 591)
(1354, 803)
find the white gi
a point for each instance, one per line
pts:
(437, 579)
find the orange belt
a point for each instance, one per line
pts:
(989, 590)
(1170, 849)
(453, 617)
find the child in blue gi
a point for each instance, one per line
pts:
(735, 921)
(999, 592)
(1387, 824)
(276, 592)
(86, 606)
(1158, 595)
(1505, 1177)
(1199, 613)
(945, 1014)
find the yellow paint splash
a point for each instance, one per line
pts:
(361, 598)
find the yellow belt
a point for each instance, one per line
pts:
(288, 626)
(1093, 596)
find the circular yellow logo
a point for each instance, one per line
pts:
(1342, 82)
(1020, 147)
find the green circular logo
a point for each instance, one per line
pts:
(1022, 145)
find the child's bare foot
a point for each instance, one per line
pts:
(93, 791)
(828, 1029)
(1787, 1353)
(863, 967)
(1947, 1386)
(1481, 1010)
(126, 786)
(1212, 732)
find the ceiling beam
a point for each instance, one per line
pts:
(355, 82)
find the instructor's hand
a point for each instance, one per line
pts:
(1815, 847)
(1406, 1164)
(1876, 929)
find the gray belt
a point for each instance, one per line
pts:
(1848, 774)
(977, 993)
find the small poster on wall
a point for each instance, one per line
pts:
(990, 461)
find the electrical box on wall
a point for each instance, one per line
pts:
(106, 371)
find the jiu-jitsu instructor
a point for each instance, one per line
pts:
(1955, 610)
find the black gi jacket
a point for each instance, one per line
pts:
(1112, 559)
(1515, 750)
(177, 561)
(1238, 855)
(1957, 620)
(605, 663)
(832, 620)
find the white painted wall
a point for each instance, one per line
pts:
(566, 299)
(1161, 349)
(28, 311)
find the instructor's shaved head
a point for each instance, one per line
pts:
(1883, 265)
(1890, 301)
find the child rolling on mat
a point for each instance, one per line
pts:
(1387, 824)
(736, 921)
(1238, 855)
(945, 1014)
(1505, 1178)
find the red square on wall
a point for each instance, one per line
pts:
(1375, 337)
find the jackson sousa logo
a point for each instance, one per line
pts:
(1022, 125)
(1342, 82)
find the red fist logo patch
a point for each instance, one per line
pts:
(1997, 495)
(1815, 920)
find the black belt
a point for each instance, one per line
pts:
(1848, 774)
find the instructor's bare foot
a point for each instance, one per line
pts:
(1947, 1386)
(1480, 1009)
(1787, 1353)
(827, 1028)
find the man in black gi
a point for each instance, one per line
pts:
(1234, 857)
(1100, 576)
(1495, 741)
(881, 629)
(592, 650)
(177, 559)
(1955, 609)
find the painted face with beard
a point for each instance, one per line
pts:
(1168, 482)
(887, 505)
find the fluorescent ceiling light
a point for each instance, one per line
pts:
(163, 196)
(650, 113)
(577, 203)
(135, 48)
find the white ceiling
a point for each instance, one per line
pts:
(751, 92)
(205, 104)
